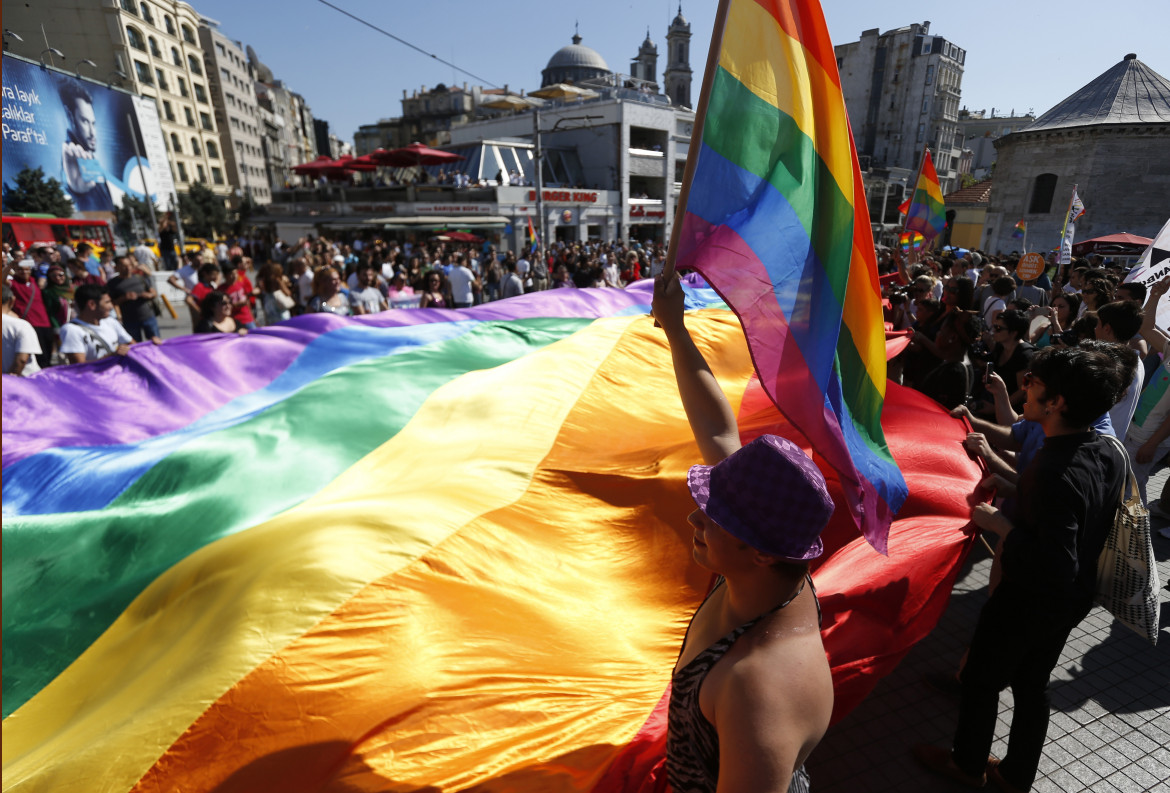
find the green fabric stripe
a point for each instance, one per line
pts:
(762, 139)
(67, 577)
(864, 399)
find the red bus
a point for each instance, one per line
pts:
(29, 230)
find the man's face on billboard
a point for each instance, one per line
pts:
(84, 123)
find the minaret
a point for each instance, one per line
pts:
(678, 61)
(645, 65)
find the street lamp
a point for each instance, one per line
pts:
(539, 162)
(52, 51)
(8, 34)
(84, 62)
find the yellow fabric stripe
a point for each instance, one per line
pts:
(215, 616)
(779, 70)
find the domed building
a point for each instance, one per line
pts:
(574, 63)
(1111, 139)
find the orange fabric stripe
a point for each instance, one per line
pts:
(804, 21)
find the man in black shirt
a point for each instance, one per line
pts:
(1066, 501)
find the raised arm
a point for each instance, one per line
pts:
(1155, 336)
(711, 417)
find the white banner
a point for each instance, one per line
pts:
(1153, 266)
(160, 183)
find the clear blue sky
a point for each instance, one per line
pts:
(1025, 54)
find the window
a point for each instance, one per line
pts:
(212, 150)
(182, 172)
(154, 50)
(200, 94)
(143, 72)
(182, 86)
(221, 49)
(162, 78)
(176, 147)
(202, 173)
(190, 116)
(170, 25)
(216, 175)
(135, 39)
(193, 63)
(195, 146)
(224, 74)
(1043, 189)
(188, 35)
(175, 59)
(128, 5)
(168, 113)
(925, 104)
(236, 123)
(921, 132)
(146, 13)
(205, 120)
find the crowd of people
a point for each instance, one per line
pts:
(239, 285)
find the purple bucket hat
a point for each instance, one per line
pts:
(770, 495)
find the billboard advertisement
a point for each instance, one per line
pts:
(83, 134)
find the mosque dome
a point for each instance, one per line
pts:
(574, 63)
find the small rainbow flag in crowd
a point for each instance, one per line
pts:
(1021, 229)
(776, 221)
(927, 213)
(533, 237)
(910, 240)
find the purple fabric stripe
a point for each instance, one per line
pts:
(155, 390)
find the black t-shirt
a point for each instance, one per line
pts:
(1068, 496)
(137, 310)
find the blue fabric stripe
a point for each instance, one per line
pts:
(724, 193)
(93, 476)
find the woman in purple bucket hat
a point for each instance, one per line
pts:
(751, 692)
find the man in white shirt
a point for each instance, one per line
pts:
(524, 270)
(21, 345)
(366, 297)
(511, 285)
(463, 283)
(94, 334)
(145, 256)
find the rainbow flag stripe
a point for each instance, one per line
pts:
(927, 213)
(776, 221)
(1021, 229)
(378, 553)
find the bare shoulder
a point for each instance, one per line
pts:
(771, 705)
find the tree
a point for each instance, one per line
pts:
(133, 218)
(203, 212)
(32, 192)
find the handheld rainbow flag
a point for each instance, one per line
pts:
(776, 220)
(218, 577)
(1020, 230)
(533, 237)
(910, 240)
(927, 214)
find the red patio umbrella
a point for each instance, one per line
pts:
(323, 163)
(458, 236)
(1124, 244)
(414, 154)
(350, 163)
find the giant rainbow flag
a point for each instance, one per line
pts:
(776, 220)
(927, 213)
(423, 549)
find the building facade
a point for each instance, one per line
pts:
(981, 131)
(151, 48)
(644, 67)
(902, 90)
(237, 115)
(1111, 140)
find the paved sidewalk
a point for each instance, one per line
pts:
(1110, 728)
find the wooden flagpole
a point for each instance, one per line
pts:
(680, 209)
